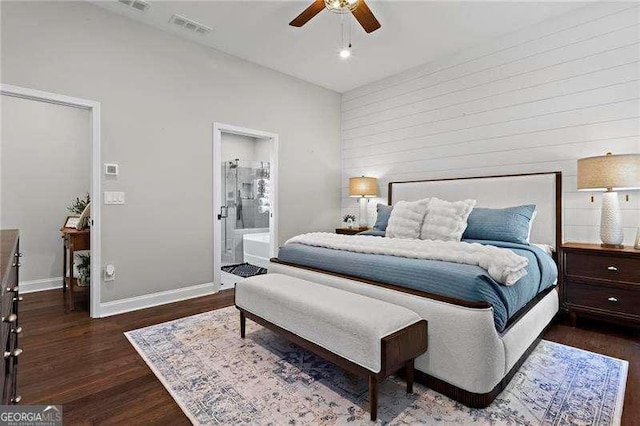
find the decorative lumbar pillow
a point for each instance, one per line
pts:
(382, 219)
(446, 220)
(511, 224)
(406, 219)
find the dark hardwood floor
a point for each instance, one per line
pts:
(90, 368)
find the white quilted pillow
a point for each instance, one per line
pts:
(406, 219)
(445, 220)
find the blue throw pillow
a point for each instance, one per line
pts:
(510, 224)
(382, 220)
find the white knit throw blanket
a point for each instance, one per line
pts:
(503, 265)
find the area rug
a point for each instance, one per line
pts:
(218, 378)
(244, 270)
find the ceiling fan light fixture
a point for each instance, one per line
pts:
(341, 6)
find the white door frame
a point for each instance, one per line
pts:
(218, 130)
(95, 187)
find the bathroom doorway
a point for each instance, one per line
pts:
(244, 203)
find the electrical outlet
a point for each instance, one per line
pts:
(109, 273)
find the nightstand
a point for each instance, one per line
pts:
(350, 231)
(601, 282)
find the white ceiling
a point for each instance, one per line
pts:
(412, 33)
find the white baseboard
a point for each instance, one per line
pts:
(40, 285)
(149, 300)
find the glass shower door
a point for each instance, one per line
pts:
(246, 205)
(228, 210)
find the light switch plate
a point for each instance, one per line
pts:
(112, 197)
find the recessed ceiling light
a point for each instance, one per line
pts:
(345, 53)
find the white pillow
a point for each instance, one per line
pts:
(406, 219)
(445, 220)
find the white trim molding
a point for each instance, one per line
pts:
(96, 176)
(155, 299)
(40, 285)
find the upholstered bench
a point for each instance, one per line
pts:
(365, 336)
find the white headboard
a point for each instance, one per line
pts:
(542, 189)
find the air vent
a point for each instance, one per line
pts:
(140, 5)
(189, 25)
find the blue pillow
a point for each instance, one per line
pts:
(382, 220)
(510, 224)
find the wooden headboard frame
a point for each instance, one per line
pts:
(558, 197)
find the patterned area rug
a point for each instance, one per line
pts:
(218, 378)
(244, 270)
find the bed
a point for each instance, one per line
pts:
(479, 333)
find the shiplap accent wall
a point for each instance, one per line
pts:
(532, 101)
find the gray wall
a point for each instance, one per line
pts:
(160, 96)
(532, 101)
(44, 166)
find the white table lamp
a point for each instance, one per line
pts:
(610, 173)
(363, 187)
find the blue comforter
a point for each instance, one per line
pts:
(466, 282)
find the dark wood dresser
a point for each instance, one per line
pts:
(601, 282)
(9, 329)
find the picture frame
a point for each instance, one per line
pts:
(71, 222)
(637, 244)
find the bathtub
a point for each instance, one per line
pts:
(256, 248)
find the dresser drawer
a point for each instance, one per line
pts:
(611, 298)
(614, 268)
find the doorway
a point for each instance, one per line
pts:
(40, 99)
(244, 207)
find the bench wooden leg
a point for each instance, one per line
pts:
(243, 323)
(409, 373)
(373, 397)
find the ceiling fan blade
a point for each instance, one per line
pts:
(311, 11)
(364, 15)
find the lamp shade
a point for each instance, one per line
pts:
(609, 172)
(363, 187)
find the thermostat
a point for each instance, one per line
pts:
(111, 169)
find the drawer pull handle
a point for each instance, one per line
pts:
(16, 400)
(612, 299)
(13, 289)
(14, 353)
(612, 268)
(11, 318)
(16, 330)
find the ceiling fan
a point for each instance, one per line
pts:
(358, 8)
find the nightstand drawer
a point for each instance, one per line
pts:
(611, 298)
(614, 268)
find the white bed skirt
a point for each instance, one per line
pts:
(465, 349)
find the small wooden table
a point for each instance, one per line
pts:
(73, 240)
(351, 231)
(601, 282)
